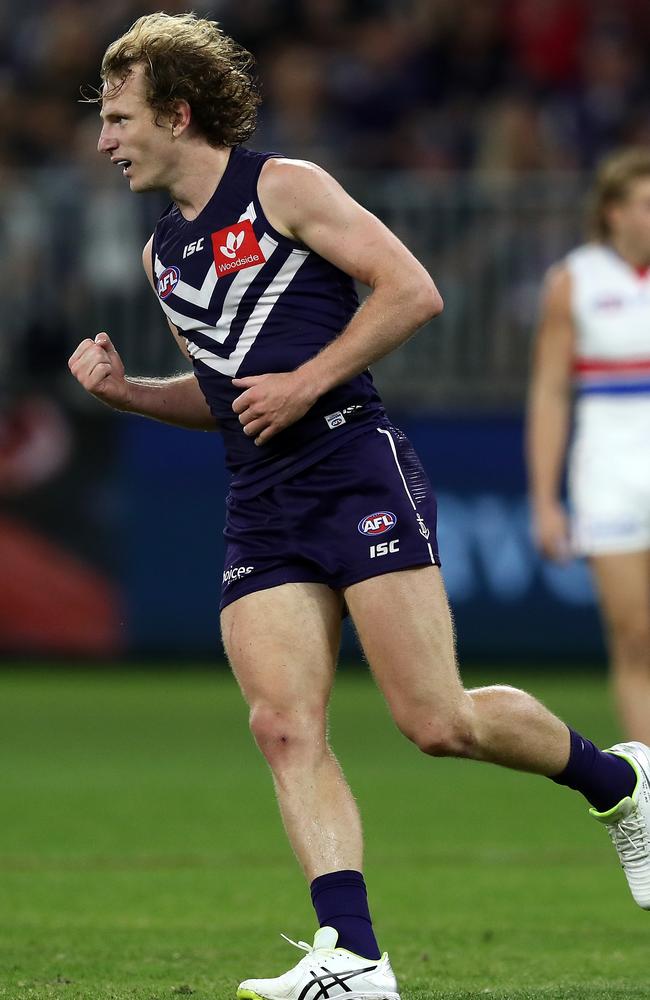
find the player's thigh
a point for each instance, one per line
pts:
(405, 628)
(282, 644)
(623, 585)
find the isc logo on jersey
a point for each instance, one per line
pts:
(167, 281)
(235, 248)
(377, 524)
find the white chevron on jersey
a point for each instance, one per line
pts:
(275, 288)
(201, 296)
(187, 325)
(235, 293)
(249, 214)
(197, 296)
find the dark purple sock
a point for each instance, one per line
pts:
(341, 902)
(603, 778)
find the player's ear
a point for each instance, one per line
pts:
(180, 117)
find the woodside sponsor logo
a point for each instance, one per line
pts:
(235, 248)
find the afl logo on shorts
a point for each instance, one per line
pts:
(167, 281)
(377, 524)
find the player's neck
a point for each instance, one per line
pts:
(197, 176)
(631, 255)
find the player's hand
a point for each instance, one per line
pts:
(551, 528)
(269, 403)
(98, 368)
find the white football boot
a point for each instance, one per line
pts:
(628, 823)
(326, 971)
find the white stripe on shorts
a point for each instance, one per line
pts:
(408, 492)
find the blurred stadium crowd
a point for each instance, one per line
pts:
(513, 85)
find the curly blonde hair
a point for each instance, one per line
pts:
(614, 178)
(188, 58)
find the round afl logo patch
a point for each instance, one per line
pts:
(167, 281)
(377, 524)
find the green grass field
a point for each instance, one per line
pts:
(141, 855)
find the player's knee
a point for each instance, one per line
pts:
(283, 736)
(452, 738)
(441, 735)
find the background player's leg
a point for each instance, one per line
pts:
(282, 645)
(404, 624)
(623, 582)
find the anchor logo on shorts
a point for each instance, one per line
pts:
(424, 531)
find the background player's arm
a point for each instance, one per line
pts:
(305, 203)
(549, 412)
(175, 400)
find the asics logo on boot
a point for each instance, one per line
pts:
(322, 987)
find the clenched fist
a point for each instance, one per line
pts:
(98, 368)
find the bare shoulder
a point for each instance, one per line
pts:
(557, 329)
(291, 190)
(281, 177)
(558, 285)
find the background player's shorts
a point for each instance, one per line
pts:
(609, 488)
(365, 509)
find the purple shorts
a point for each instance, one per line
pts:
(365, 509)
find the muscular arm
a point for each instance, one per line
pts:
(175, 400)
(306, 204)
(309, 205)
(549, 413)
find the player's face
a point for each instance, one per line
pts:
(137, 146)
(630, 220)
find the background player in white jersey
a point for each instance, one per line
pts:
(594, 339)
(306, 504)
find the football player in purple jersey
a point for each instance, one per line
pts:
(254, 264)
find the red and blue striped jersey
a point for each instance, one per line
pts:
(611, 312)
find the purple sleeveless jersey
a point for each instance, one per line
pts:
(340, 495)
(249, 301)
